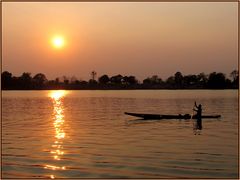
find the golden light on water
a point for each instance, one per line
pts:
(56, 95)
(58, 124)
(52, 177)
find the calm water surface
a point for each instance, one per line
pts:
(85, 134)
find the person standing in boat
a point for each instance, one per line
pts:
(198, 115)
(198, 110)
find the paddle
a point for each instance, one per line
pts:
(192, 116)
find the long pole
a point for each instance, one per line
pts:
(192, 116)
(192, 112)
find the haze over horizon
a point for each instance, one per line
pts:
(140, 39)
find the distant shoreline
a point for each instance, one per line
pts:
(177, 81)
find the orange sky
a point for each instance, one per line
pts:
(140, 39)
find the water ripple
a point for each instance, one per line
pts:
(87, 135)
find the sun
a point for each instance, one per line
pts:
(58, 42)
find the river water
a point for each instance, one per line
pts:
(85, 134)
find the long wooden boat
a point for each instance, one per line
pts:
(161, 116)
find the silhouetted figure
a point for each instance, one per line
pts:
(197, 127)
(198, 110)
(198, 124)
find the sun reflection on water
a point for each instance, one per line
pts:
(58, 123)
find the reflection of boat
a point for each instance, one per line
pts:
(161, 116)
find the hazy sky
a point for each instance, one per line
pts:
(141, 39)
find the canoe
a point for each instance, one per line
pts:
(161, 116)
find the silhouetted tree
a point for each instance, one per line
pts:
(92, 82)
(84, 83)
(216, 80)
(154, 80)
(202, 79)
(93, 75)
(178, 78)
(234, 75)
(235, 78)
(6, 80)
(170, 82)
(25, 81)
(147, 81)
(130, 80)
(228, 84)
(190, 81)
(39, 80)
(57, 81)
(64, 79)
(116, 79)
(104, 79)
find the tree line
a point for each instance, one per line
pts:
(214, 80)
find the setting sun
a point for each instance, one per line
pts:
(58, 41)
